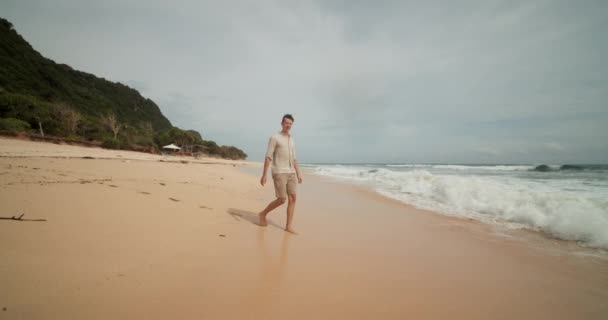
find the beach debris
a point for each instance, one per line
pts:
(162, 183)
(205, 207)
(113, 185)
(4, 309)
(88, 157)
(222, 235)
(176, 200)
(20, 218)
(183, 161)
(144, 192)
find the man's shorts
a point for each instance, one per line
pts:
(284, 184)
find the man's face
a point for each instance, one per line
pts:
(286, 124)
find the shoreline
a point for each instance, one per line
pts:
(149, 239)
(537, 239)
(23, 148)
(519, 231)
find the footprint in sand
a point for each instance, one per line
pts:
(113, 186)
(173, 199)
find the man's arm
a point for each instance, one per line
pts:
(295, 165)
(272, 144)
(266, 165)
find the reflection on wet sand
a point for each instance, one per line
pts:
(273, 265)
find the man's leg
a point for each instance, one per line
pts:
(291, 206)
(271, 206)
(280, 190)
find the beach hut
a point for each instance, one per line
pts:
(171, 147)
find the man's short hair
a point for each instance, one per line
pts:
(287, 116)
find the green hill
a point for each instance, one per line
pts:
(39, 97)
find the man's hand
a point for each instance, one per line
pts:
(299, 179)
(263, 180)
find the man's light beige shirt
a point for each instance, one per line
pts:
(282, 153)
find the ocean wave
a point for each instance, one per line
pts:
(548, 206)
(569, 167)
(409, 165)
(493, 168)
(465, 167)
(539, 168)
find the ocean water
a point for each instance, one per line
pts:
(569, 202)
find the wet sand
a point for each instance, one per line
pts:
(129, 236)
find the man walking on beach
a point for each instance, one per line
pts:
(285, 171)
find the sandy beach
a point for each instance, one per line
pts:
(138, 236)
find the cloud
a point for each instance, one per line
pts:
(367, 81)
(554, 146)
(488, 151)
(137, 85)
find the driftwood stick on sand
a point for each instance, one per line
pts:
(20, 218)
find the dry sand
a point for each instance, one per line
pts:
(131, 237)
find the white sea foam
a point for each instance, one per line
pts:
(565, 208)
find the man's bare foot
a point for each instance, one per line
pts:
(290, 230)
(262, 222)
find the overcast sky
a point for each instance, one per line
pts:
(367, 81)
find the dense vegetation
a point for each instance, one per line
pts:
(39, 97)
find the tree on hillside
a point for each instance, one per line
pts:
(5, 23)
(111, 122)
(69, 117)
(39, 95)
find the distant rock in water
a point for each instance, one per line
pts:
(373, 171)
(542, 168)
(569, 167)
